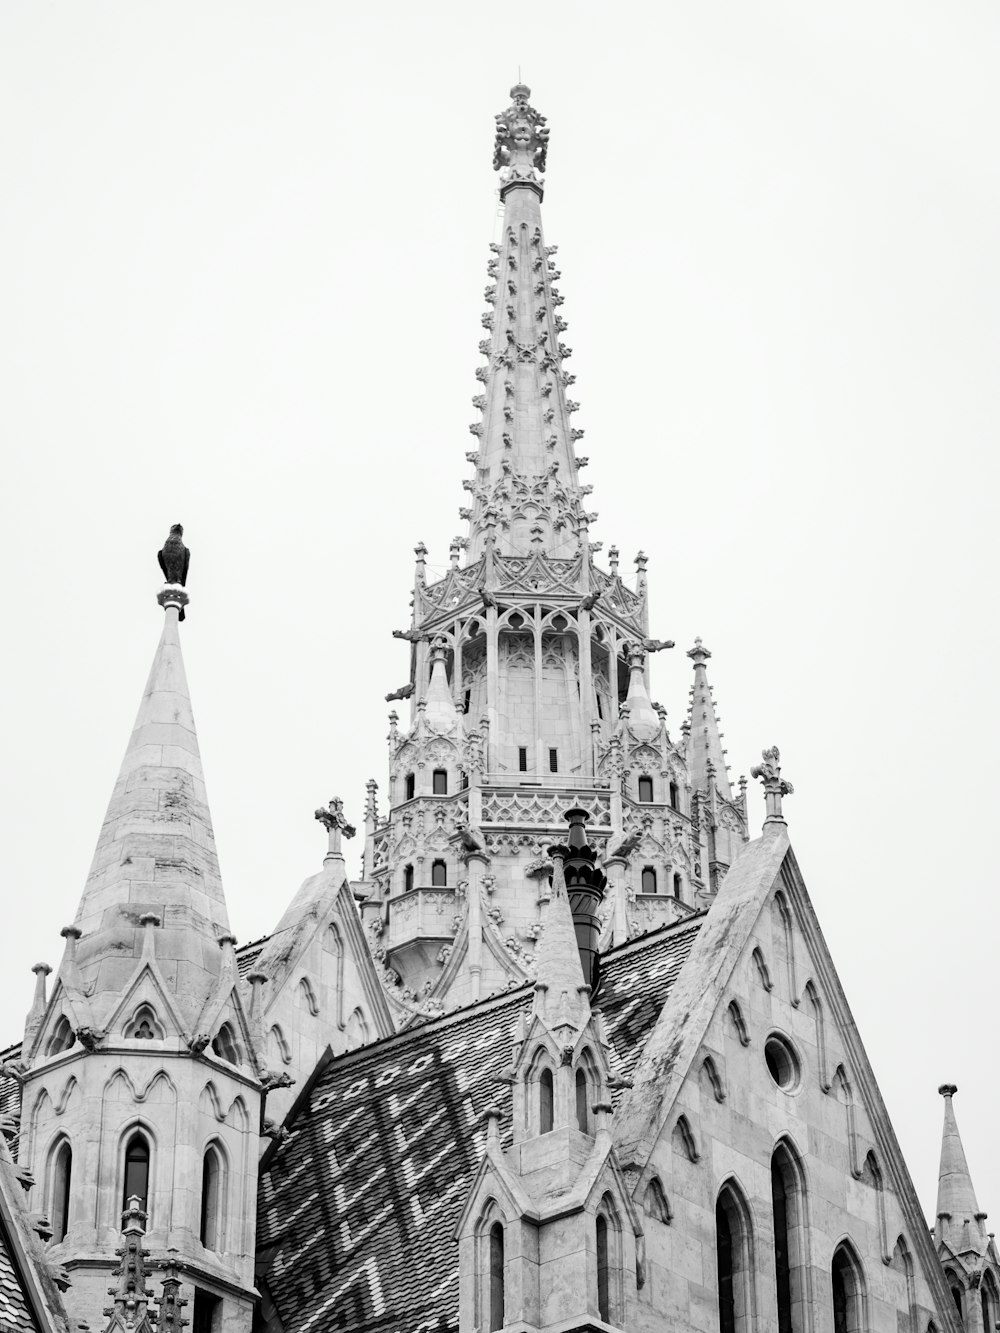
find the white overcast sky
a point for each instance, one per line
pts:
(242, 254)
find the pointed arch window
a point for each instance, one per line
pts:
(211, 1198)
(603, 1273)
(225, 1045)
(582, 1101)
(957, 1295)
(788, 1212)
(440, 782)
(654, 1202)
(62, 1037)
(734, 1262)
(546, 1102)
(136, 1174)
(645, 789)
(144, 1025)
(439, 874)
(62, 1175)
(497, 1315)
(988, 1299)
(648, 879)
(847, 1292)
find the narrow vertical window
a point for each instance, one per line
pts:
(582, 1099)
(410, 787)
(603, 1283)
(440, 782)
(553, 761)
(466, 701)
(62, 1170)
(407, 878)
(439, 874)
(782, 1264)
(207, 1312)
(545, 1102)
(600, 707)
(674, 796)
(677, 885)
(136, 1172)
(724, 1258)
(845, 1281)
(522, 759)
(645, 789)
(211, 1182)
(496, 1277)
(648, 879)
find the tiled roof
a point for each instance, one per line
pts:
(248, 954)
(15, 1313)
(357, 1207)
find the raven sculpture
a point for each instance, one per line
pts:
(175, 558)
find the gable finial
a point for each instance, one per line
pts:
(521, 142)
(334, 821)
(775, 786)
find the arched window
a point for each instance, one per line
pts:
(674, 796)
(990, 1307)
(603, 1273)
(407, 879)
(62, 1037)
(409, 787)
(440, 782)
(62, 1171)
(144, 1025)
(654, 1202)
(956, 1293)
(136, 1174)
(439, 874)
(211, 1198)
(645, 789)
(648, 879)
(582, 1101)
(788, 1211)
(545, 1102)
(677, 885)
(225, 1045)
(496, 1277)
(734, 1256)
(847, 1291)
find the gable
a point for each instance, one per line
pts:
(358, 1206)
(756, 1048)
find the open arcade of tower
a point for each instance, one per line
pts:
(571, 1054)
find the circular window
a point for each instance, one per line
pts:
(782, 1062)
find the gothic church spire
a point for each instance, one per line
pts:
(526, 483)
(959, 1219)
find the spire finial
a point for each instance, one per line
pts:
(174, 560)
(521, 139)
(332, 818)
(775, 786)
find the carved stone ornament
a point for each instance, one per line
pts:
(521, 137)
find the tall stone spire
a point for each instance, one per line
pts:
(706, 752)
(959, 1220)
(526, 473)
(156, 849)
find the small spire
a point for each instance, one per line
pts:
(333, 820)
(957, 1207)
(643, 719)
(562, 968)
(440, 712)
(775, 786)
(130, 1295)
(705, 750)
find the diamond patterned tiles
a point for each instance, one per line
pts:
(358, 1205)
(15, 1315)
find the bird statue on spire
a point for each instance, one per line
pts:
(174, 559)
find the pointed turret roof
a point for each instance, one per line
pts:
(156, 850)
(705, 737)
(557, 958)
(527, 478)
(959, 1220)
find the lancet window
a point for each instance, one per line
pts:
(136, 1173)
(211, 1198)
(225, 1045)
(62, 1174)
(496, 1293)
(62, 1037)
(848, 1292)
(788, 1210)
(734, 1260)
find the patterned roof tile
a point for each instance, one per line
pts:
(358, 1205)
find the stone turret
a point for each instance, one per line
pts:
(143, 1080)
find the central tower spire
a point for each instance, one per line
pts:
(526, 486)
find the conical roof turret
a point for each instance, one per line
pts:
(156, 853)
(959, 1220)
(526, 481)
(706, 755)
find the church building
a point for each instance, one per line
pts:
(570, 1056)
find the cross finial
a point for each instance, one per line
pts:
(775, 786)
(332, 818)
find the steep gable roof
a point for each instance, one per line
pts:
(358, 1205)
(29, 1299)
